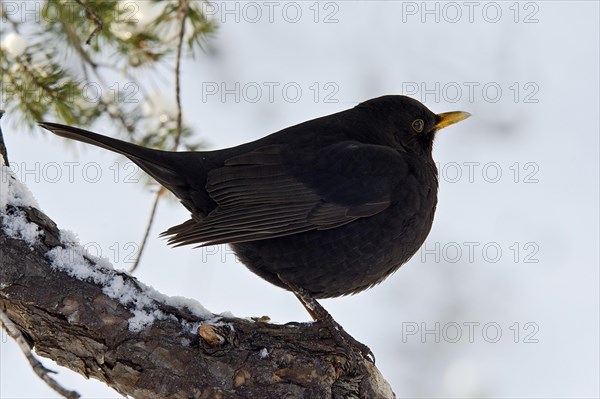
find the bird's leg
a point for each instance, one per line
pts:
(319, 314)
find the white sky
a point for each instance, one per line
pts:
(545, 199)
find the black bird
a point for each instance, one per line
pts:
(325, 208)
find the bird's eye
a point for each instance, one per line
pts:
(418, 125)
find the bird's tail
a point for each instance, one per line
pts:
(158, 164)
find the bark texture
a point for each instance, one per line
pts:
(76, 324)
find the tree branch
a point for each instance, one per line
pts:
(91, 15)
(181, 15)
(37, 367)
(105, 324)
(3, 152)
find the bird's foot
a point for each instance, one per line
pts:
(351, 346)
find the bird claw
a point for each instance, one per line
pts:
(352, 347)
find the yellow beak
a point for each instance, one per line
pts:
(450, 118)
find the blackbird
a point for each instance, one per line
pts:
(325, 208)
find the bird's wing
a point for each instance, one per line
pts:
(272, 192)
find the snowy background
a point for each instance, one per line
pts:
(503, 301)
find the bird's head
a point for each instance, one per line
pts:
(406, 124)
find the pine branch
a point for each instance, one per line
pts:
(92, 15)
